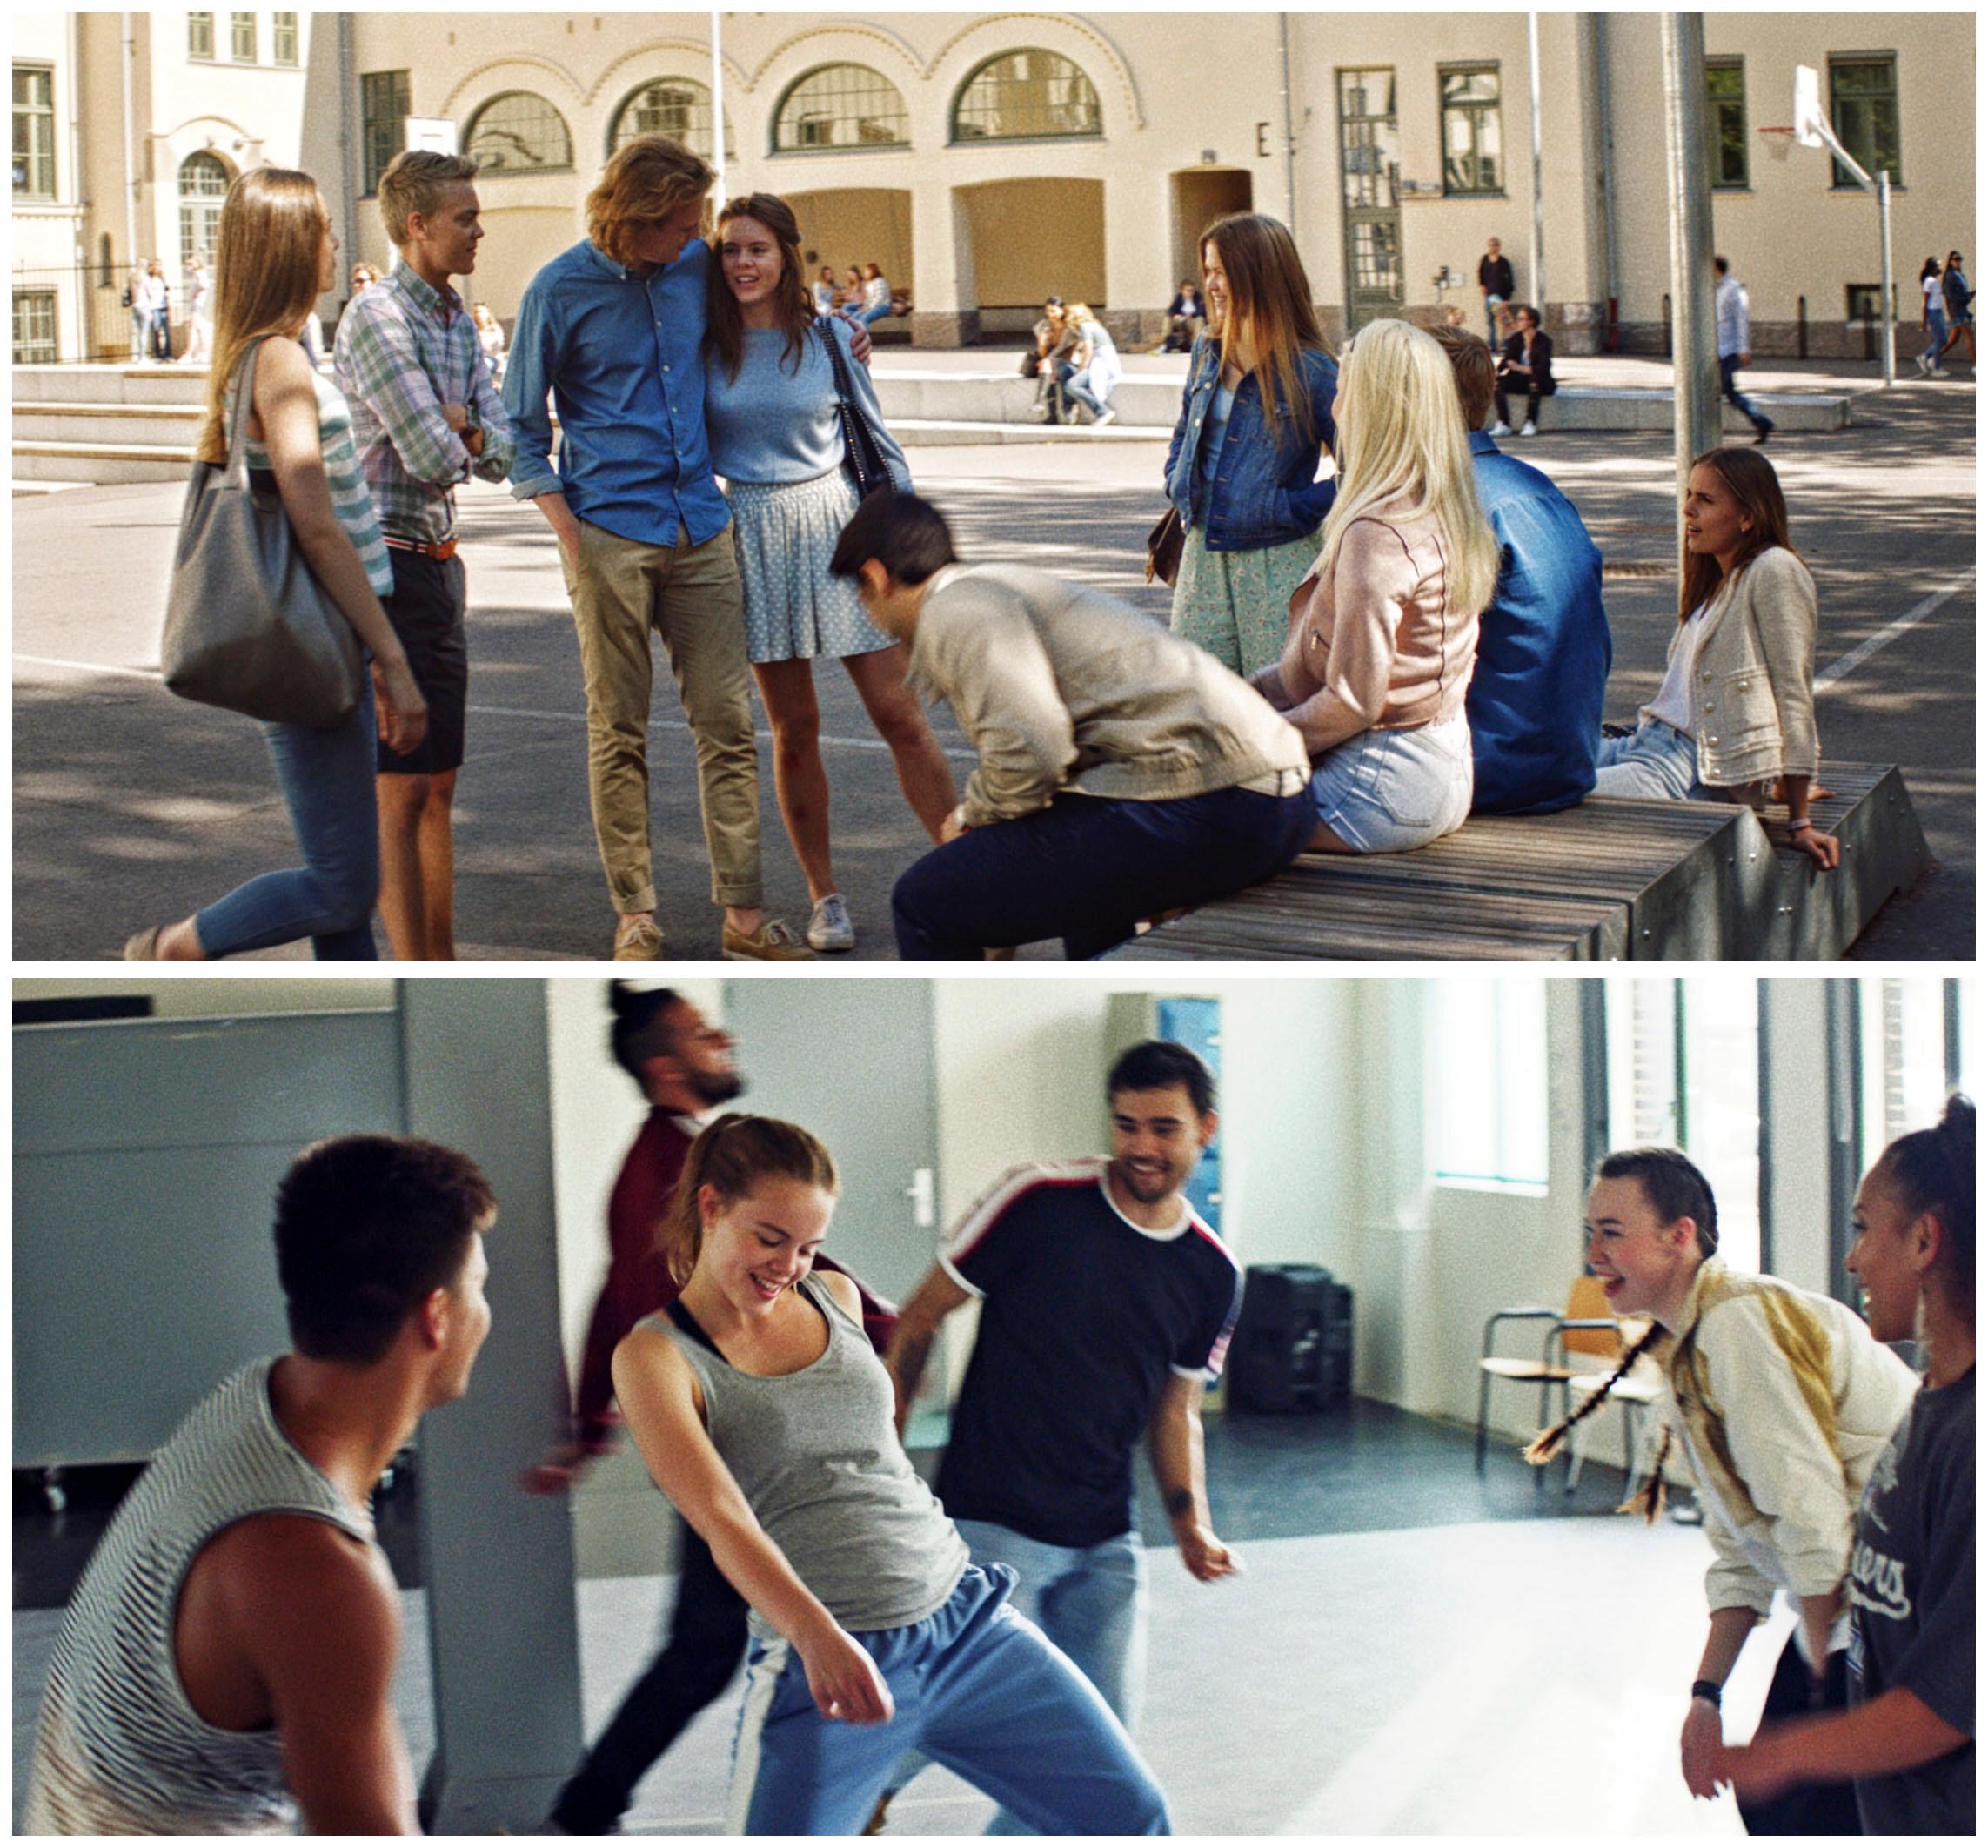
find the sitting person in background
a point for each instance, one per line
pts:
(1187, 314)
(1735, 719)
(1525, 365)
(1535, 704)
(1384, 632)
(1092, 373)
(824, 291)
(1122, 772)
(876, 296)
(1056, 339)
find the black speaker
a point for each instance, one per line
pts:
(1294, 1340)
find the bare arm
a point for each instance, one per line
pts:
(319, 1622)
(286, 407)
(1896, 1732)
(1699, 1744)
(1174, 1444)
(657, 1392)
(917, 1327)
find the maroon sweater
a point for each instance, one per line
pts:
(638, 1281)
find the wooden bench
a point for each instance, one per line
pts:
(1615, 878)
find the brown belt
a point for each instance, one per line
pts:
(440, 549)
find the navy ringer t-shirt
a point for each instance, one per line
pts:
(1084, 1316)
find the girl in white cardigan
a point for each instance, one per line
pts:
(1735, 719)
(1782, 1405)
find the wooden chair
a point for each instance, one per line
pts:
(1634, 1396)
(1584, 1327)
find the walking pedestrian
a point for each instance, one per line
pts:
(1959, 305)
(158, 313)
(1495, 284)
(199, 313)
(1735, 344)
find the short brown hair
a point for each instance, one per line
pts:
(646, 180)
(413, 183)
(1476, 371)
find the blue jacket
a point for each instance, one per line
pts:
(1263, 491)
(1535, 704)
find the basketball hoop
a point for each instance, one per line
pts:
(1780, 141)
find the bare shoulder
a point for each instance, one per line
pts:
(647, 1356)
(282, 363)
(300, 1595)
(843, 1288)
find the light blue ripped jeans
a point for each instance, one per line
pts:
(1656, 760)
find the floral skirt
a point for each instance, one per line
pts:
(1237, 604)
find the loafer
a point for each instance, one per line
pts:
(143, 945)
(772, 942)
(637, 939)
(829, 928)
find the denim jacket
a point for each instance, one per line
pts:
(1263, 494)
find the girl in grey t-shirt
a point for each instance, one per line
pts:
(765, 1414)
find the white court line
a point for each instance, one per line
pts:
(1842, 668)
(958, 754)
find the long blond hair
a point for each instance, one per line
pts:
(266, 259)
(1400, 440)
(1270, 313)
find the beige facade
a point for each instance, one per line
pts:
(1131, 147)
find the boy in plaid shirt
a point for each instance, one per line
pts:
(425, 415)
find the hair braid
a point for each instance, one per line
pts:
(1648, 1500)
(1549, 1445)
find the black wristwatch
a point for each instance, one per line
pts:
(1706, 1690)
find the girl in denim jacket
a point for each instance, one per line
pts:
(1257, 410)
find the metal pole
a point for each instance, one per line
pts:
(717, 112)
(78, 198)
(1886, 354)
(1290, 138)
(1598, 23)
(1694, 333)
(130, 163)
(1538, 284)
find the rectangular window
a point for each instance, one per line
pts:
(200, 37)
(282, 39)
(1913, 1053)
(1487, 1052)
(241, 38)
(1863, 111)
(1726, 121)
(1473, 136)
(386, 102)
(34, 132)
(34, 327)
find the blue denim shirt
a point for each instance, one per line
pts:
(1263, 494)
(1535, 704)
(623, 358)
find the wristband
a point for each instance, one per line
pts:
(1804, 827)
(1706, 1690)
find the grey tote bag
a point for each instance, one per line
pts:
(247, 627)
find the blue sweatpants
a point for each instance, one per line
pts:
(979, 1688)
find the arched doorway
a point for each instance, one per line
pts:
(204, 181)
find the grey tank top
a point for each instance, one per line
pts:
(816, 1454)
(118, 1748)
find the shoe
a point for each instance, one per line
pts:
(637, 939)
(1924, 364)
(1529, 428)
(829, 927)
(1938, 371)
(143, 945)
(1103, 418)
(1499, 427)
(1762, 436)
(772, 942)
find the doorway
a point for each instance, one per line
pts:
(1201, 196)
(1369, 168)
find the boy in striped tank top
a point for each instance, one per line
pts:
(226, 1664)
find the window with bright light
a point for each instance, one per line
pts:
(842, 106)
(678, 107)
(519, 132)
(1473, 144)
(1487, 1066)
(1912, 1053)
(1026, 95)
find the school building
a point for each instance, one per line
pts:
(985, 160)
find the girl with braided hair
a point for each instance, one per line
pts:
(1908, 1738)
(1782, 1405)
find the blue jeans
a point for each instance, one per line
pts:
(1087, 869)
(327, 778)
(867, 315)
(979, 1688)
(1078, 385)
(1729, 368)
(1656, 761)
(1935, 333)
(1391, 791)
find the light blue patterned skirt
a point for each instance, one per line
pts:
(786, 534)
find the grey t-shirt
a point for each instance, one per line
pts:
(816, 1454)
(1912, 1595)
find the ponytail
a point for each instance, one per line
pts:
(1932, 1171)
(730, 1154)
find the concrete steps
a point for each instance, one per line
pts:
(102, 464)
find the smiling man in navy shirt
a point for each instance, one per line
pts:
(613, 329)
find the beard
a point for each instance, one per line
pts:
(1146, 1188)
(714, 1088)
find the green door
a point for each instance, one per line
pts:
(1370, 204)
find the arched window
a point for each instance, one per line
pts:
(518, 133)
(203, 185)
(842, 106)
(678, 107)
(1024, 96)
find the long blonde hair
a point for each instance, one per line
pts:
(266, 265)
(1400, 438)
(1270, 311)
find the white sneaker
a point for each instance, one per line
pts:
(1940, 371)
(829, 927)
(1499, 427)
(1529, 428)
(1924, 364)
(1103, 418)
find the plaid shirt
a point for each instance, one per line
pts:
(404, 350)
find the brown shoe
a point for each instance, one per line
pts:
(143, 947)
(637, 939)
(772, 942)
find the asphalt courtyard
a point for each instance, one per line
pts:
(132, 808)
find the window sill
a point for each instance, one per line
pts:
(880, 147)
(1485, 1184)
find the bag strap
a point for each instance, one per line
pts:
(238, 474)
(844, 390)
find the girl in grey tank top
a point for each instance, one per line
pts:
(765, 1414)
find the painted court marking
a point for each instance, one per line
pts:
(1844, 665)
